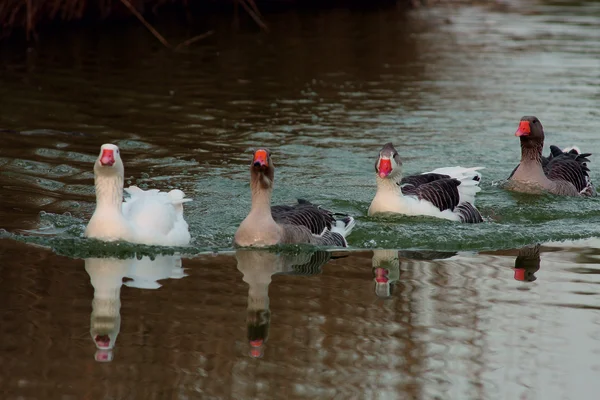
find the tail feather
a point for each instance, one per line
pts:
(457, 172)
(178, 197)
(337, 235)
(572, 149)
(344, 226)
(468, 188)
(468, 213)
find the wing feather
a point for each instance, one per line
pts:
(441, 192)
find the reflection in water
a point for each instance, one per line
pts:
(106, 276)
(258, 266)
(527, 263)
(459, 327)
(386, 267)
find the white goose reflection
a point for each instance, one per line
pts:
(106, 276)
(386, 267)
(258, 266)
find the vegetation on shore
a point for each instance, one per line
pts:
(27, 16)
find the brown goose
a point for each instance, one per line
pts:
(301, 223)
(563, 172)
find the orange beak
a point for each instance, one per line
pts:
(108, 158)
(385, 167)
(524, 129)
(261, 158)
(381, 275)
(256, 350)
(519, 274)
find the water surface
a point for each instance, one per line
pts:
(418, 308)
(371, 324)
(324, 92)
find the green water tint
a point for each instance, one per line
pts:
(445, 94)
(521, 220)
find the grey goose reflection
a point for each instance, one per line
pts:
(258, 267)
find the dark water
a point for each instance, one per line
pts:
(324, 91)
(443, 326)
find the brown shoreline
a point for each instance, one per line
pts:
(31, 18)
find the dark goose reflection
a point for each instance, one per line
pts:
(527, 263)
(106, 276)
(258, 266)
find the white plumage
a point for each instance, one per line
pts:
(147, 217)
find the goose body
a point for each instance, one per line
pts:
(148, 217)
(447, 193)
(303, 222)
(563, 172)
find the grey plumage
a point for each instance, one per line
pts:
(304, 213)
(303, 222)
(561, 173)
(441, 191)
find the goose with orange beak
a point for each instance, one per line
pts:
(447, 193)
(303, 222)
(563, 172)
(148, 217)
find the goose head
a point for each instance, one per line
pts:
(262, 169)
(258, 322)
(109, 162)
(530, 132)
(527, 263)
(386, 272)
(388, 165)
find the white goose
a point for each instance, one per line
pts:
(147, 217)
(447, 193)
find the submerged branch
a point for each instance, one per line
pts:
(146, 24)
(193, 40)
(249, 9)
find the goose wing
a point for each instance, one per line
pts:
(442, 192)
(569, 166)
(306, 214)
(422, 179)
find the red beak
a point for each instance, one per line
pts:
(256, 350)
(108, 158)
(385, 167)
(103, 342)
(524, 129)
(381, 275)
(519, 274)
(260, 158)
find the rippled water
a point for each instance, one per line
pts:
(324, 91)
(368, 324)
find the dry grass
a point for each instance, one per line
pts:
(28, 15)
